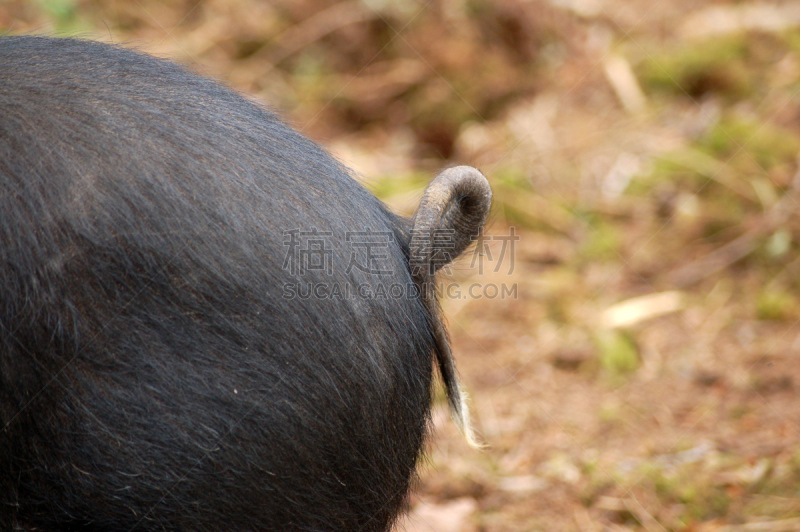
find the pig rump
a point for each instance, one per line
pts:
(154, 375)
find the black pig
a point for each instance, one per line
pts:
(205, 323)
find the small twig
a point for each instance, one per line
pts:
(715, 261)
(634, 507)
(737, 249)
(310, 30)
(535, 208)
(784, 525)
(713, 169)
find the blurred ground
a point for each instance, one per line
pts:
(643, 375)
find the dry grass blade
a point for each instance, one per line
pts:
(638, 309)
(621, 77)
(717, 260)
(310, 30)
(534, 209)
(711, 168)
(785, 525)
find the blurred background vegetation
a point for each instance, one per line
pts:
(646, 153)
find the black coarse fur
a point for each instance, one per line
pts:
(152, 374)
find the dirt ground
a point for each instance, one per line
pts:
(629, 328)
